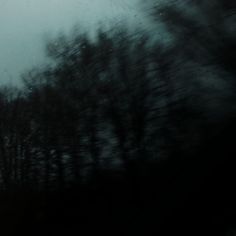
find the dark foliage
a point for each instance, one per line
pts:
(122, 135)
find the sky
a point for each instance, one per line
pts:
(26, 24)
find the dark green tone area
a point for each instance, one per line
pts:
(126, 134)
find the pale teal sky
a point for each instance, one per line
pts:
(24, 24)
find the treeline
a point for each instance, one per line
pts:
(125, 112)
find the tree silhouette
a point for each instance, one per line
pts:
(115, 129)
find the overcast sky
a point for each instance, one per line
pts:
(24, 25)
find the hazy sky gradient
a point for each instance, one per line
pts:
(24, 25)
